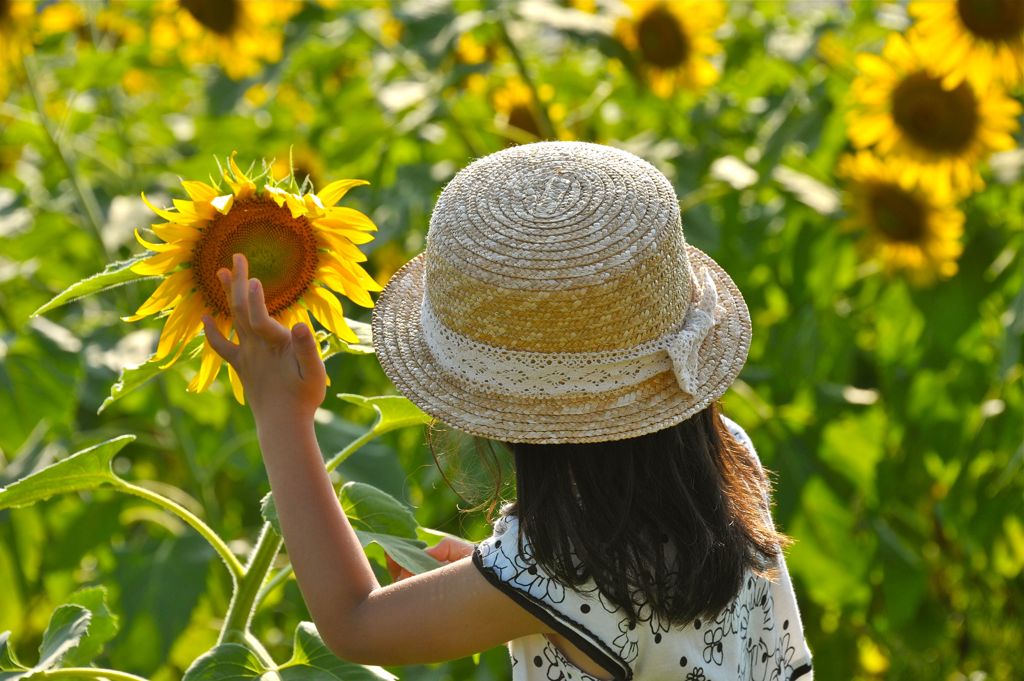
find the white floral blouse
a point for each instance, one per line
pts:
(757, 637)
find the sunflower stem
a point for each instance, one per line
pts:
(546, 127)
(232, 563)
(86, 199)
(243, 603)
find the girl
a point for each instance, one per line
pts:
(557, 309)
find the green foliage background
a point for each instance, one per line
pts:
(892, 415)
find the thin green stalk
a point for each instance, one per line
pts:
(234, 566)
(546, 127)
(86, 673)
(85, 196)
(256, 646)
(352, 447)
(277, 580)
(236, 622)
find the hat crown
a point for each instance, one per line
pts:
(558, 247)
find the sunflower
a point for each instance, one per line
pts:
(672, 40)
(979, 37)
(301, 162)
(239, 34)
(300, 246)
(901, 108)
(16, 18)
(915, 229)
(519, 111)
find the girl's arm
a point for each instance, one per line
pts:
(444, 614)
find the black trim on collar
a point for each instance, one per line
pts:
(565, 626)
(800, 671)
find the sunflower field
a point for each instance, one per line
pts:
(855, 166)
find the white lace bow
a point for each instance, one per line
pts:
(525, 374)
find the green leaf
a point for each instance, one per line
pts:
(393, 411)
(8, 661)
(135, 377)
(68, 625)
(102, 627)
(853, 445)
(114, 274)
(378, 518)
(269, 512)
(228, 662)
(335, 345)
(86, 469)
(374, 510)
(313, 661)
(406, 552)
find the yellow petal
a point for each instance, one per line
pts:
(166, 295)
(326, 308)
(209, 367)
(353, 235)
(199, 191)
(342, 246)
(241, 185)
(334, 191)
(364, 279)
(161, 263)
(174, 233)
(277, 194)
(169, 215)
(348, 217)
(158, 248)
(295, 205)
(236, 385)
(346, 284)
(222, 204)
(182, 324)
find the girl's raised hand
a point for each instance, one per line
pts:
(280, 369)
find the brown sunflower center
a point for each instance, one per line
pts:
(522, 117)
(281, 250)
(943, 121)
(5, 11)
(662, 40)
(993, 20)
(897, 214)
(220, 16)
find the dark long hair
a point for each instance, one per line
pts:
(672, 519)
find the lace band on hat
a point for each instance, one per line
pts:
(542, 374)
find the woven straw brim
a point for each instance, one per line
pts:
(646, 407)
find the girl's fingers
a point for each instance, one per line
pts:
(449, 550)
(238, 295)
(259, 317)
(221, 345)
(306, 352)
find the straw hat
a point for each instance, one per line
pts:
(558, 301)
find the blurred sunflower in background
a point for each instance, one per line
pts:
(240, 35)
(915, 228)
(672, 41)
(16, 17)
(300, 246)
(978, 38)
(471, 51)
(519, 111)
(901, 108)
(301, 163)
